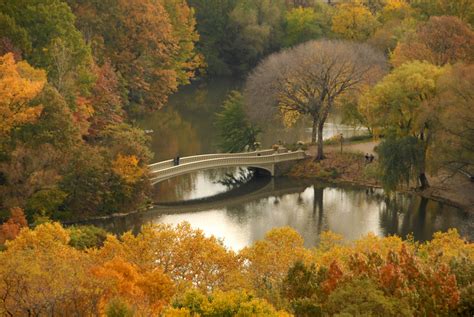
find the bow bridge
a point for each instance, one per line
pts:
(269, 160)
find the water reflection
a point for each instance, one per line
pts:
(243, 217)
(185, 127)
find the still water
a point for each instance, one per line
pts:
(243, 215)
(239, 216)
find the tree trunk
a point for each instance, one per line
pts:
(320, 154)
(313, 131)
(318, 199)
(424, 184)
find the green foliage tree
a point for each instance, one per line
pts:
(231, 303)
(94, 187)
(86, 237)
(301, 25)
(54, 126)
(216, 34)
(258, 27)
(236, 133)
(13, 37)
(463, 9)
(45, 204)
(370, 301)
(302, 287)
(118, 308)
(402, 104)
(400, 161)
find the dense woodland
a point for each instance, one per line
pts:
(177, 271)
(74, 74)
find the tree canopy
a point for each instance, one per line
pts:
(309, 78)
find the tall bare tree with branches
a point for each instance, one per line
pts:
(309, 78)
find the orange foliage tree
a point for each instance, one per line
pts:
(151, 44)
(186, 255)
(439, 41)
(19, 84)
(11, 228)
(177, 271)
(146, 292)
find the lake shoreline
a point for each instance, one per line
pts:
(348, 168)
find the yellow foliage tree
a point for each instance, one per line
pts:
(268, 260)
(19, 84)
(41, 275)
(184, 254)
(126, 166)
(353, 21)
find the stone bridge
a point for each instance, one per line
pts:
(269, 160)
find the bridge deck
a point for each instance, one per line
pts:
(262, 159)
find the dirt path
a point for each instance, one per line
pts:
(363, 147)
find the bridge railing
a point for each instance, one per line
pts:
(195, 158)
(255, 161)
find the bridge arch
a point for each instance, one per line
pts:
(268, 169)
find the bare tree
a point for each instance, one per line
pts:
(309, 78)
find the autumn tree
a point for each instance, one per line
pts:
(55, 125)
(42, 275)
(150, 43)
(147, 293)
(263, 271)
(106, 100)
(401, 105)
(307, 80)
(454, 136)
(439, 41)
(397, 19)
(353, 21)
(230, 303)
(19, 84)
(56, 44)
(184, 254)
(11, 228)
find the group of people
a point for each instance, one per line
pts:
(369, 158)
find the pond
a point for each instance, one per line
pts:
(239, 216)
(243, 215)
